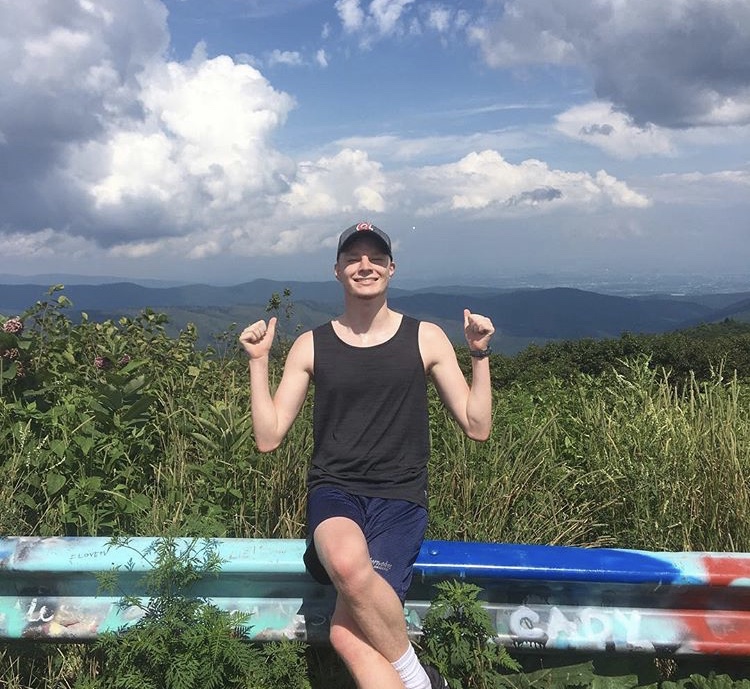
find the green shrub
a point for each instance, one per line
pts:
(183, 642)
(457, 639)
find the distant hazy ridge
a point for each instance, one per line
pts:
(520, 316)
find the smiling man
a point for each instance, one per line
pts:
(367, 482)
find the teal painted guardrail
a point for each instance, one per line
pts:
(548, 598)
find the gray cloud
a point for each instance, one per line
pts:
(603, 129)
(535, 196)
(66, 68)
(675, 64)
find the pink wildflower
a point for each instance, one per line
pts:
(102, 363)
(13, 325)
(10, 353)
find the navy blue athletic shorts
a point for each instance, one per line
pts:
(394, 531)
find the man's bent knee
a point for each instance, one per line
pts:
(342, 550)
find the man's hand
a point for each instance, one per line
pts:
(257, 338)
(478, 330)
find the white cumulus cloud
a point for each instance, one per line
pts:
(290, 58)
(600, 125)
(485, 181)
(380, 19)
(345, 183)
(110, 145)
(198, 157)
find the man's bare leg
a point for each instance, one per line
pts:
(370, 601)
(368, 668)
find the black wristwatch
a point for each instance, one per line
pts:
(480, 353)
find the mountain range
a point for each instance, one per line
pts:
(521, 316)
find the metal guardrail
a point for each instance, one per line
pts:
(544, 598)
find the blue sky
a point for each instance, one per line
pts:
(227, 140)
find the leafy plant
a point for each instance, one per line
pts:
(184, 642)
(710, 681)
(457, 639)
(277, 305)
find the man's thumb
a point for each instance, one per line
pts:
(271, 330)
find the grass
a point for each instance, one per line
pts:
(623, 460)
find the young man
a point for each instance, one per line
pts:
(367, 484)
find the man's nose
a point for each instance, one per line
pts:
(364, 262)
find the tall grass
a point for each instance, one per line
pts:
(675, 461)
(208, 478)
(161, 444)
(624, 460)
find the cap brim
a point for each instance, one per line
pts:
(365, 235)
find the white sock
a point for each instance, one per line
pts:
(410, 671)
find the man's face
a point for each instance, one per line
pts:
(364, 266)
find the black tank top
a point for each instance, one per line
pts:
(370, 416)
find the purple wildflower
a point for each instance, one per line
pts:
(124, 359)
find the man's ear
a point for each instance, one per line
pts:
(391, 268)
(336, 270)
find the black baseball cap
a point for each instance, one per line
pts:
(364, 229)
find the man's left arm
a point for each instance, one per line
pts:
(470, 405)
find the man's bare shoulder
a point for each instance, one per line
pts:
(305, 336)
(434, 344)
(301, 353)
(429, 331)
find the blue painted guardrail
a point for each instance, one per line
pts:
(539, 597)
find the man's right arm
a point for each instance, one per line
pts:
(273, 415)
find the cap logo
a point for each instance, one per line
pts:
(364, 226)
